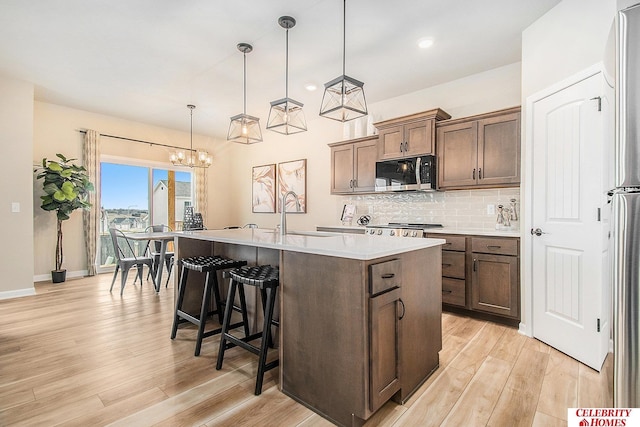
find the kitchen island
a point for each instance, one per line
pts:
(360, 316)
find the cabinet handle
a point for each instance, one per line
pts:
(473, 174)
(355, 183)
(447, 291)
(404, 309)
(474, 264)
(406, 146)
(388, 276)
(448, 244)
(493, 247)
(480, 173)
(350, 183)
(446, 265)
(401, 147)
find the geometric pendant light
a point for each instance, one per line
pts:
(286, 115)
(343, 98)
(243, 128)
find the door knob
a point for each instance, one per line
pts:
(537, 232)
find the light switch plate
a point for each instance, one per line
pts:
(15, 206)
(491, 209)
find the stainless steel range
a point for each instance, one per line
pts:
(400, 229)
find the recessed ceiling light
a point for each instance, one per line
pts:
(425, 43)
(310, 87)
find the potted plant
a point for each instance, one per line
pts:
(66, 188)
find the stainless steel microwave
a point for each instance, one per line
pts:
(407, 174)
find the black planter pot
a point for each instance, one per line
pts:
(58, 276)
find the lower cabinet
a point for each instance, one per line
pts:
(360, 332)
(481, 274)
(385, 317)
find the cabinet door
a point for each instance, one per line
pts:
(419, 138)
(385, 347)
(494, 285)
(365, 154)
(457, 155)
(499, 150)
(342, 169)
(391, 142)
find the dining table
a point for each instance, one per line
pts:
(164, 237)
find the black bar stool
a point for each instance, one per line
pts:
(209, 265)
(266, 278)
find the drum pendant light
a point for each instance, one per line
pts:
(286, 115)
(243, 128)
(343, 98)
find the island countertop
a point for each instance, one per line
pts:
(360, 247)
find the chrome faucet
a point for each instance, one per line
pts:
(283, 215)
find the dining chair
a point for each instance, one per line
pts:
(155, 253)
(127, 258)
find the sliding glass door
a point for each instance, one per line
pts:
(135, 196)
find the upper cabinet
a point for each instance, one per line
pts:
(480, 151)
(412, 135)
(353, 165)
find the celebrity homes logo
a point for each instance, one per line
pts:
(603, 417)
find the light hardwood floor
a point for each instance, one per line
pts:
(77, 355)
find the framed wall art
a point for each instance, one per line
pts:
(292, 176)
(263, 188)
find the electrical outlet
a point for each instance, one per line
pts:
(491, 209)
(15, 207)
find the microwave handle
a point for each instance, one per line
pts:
(418, 167)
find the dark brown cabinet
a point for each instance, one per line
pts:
(385, 347)
(481, 274)
(480, 151)
(495, 284)
(412, 135)
(453, 270)
(353, 165)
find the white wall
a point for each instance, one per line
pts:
(480, 93)
(16, 134)
(566, 40)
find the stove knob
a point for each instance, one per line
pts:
(405, 233)
(392, 233)
(371, 231)
(414, 233)
(380, 232)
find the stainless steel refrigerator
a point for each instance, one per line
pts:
(626, 212)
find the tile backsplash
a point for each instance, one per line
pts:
(457, 209)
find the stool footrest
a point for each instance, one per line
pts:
(243, 342)
(218, 330)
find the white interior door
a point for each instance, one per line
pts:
(569, 284)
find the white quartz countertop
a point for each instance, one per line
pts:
(342, 245)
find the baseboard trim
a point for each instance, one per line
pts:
(17, 293)
(70, 275)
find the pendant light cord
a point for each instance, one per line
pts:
(244, 82)
(286, 68)
(344, 35)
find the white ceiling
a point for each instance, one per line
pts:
(145, 60)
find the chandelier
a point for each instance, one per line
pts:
(192, 158)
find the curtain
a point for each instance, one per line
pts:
(91, 218)
(201, 191)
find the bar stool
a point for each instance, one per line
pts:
(265, 277)
(209, 265)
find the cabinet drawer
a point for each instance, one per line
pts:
(454, 243)
(492, 245)
(453, 291)
(385, 275)
(453, 264)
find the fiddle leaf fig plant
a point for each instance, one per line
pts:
(66, 188)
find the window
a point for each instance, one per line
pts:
(134, 197)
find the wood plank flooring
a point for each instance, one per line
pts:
(76, 355)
